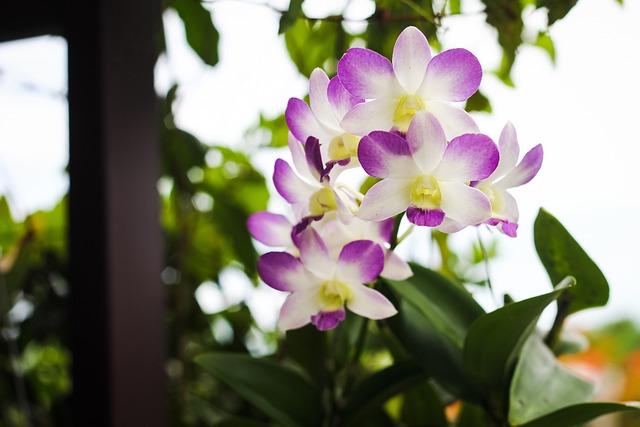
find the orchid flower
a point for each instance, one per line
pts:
(312, 195)
(504, 209)
(337, 234)
(329, 102)
(272, 230)
(412, 82)
(425, 176)
(321, 286)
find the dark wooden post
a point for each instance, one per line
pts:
(115, 239)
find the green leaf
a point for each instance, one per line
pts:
(289, 17)
(473, 416)
(542, 385)
(308, 347)
(578, 414)
(422, 406)
(447, 305)
(562, 256)
(281, 393)
(454, 7)
(369, 395)
(494, 340)
(506, 17)
(201, 34)
(478, 102)
(545, 42)
(316, 44)
(9, 230)
(440, 358)
(557, 9)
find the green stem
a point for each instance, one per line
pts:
(359, 348)
(396, 227)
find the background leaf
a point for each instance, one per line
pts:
(202, 36)
(542, 385)
(578, 414)
(562, 256)
(283, 394)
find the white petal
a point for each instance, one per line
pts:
(298, 309)
(368, 116)
(466, 205)
(454, 120)
(386, 199)
(411, 55)
(370, 303)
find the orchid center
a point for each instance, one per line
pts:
(343, 146)
(495, 197)
(408, 106)
(425, 193)
(322, 201)
(333, 294)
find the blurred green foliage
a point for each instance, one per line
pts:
(207, 194)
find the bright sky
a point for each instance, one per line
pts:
(584, 112)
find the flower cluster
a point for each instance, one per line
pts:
(398, 121)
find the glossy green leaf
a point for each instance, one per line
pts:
(289, 17)
(545, 42)
(506, 17)
(316, 44)
(557, 9)
(202, 35)
(447, 305)
(478, 102)
(374, 390)
(307, 346)
(474, 416)
(438, 356)
(578, 414)
(422, 406)
(281, 393)
(542, 385)
(494, 340)
(562, 256)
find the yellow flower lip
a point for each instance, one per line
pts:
(322, 201)
(333, 294)
(408, 106)
(343, 147)
(425, 193)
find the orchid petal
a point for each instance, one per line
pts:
(464, 204)
(370, 303)
(386, 199)
(368, 116)
(299, 158)
(426, 140)
(367, 74)
(386, 155)
(325, 320)
(314, 158)
(315, 255)
(301, 121)
(450, 226)
(385, 229)
(525, 171)
(340, 98)
(360, 262)
(283, 271)
(411, 55)
(468, 157)
(425, 217)
(318, 85)
(453, 75)
(510, 209)
(454, 120)
(298, 309)
(289, 185)
(395, 268)
(509, 151)
(270, 229)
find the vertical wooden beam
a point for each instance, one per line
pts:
(115, 239)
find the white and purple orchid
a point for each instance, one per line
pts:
(321, 286)
(329, 102)
(312, 195)
(425, 175)
(504, 208)
(412, 82)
